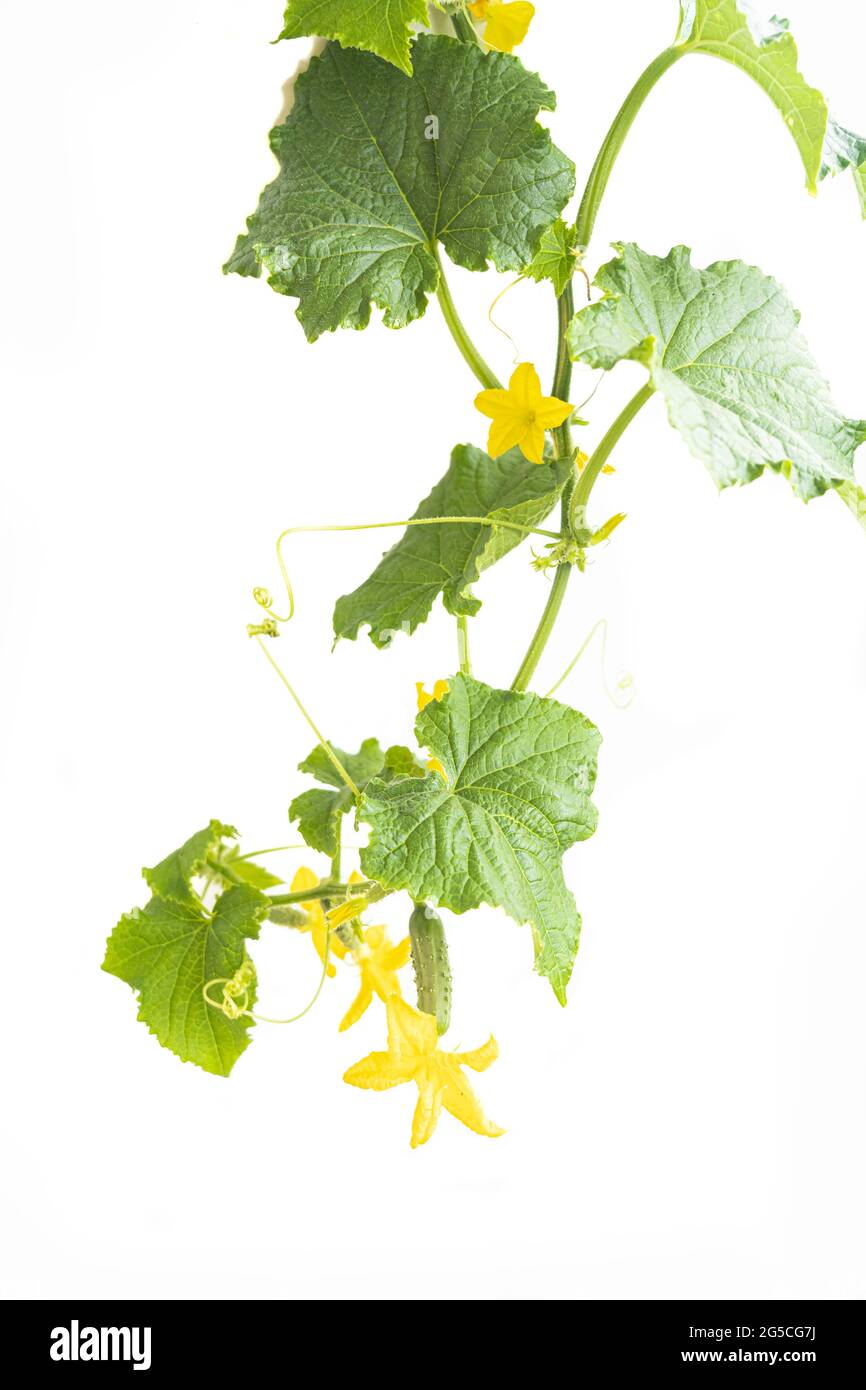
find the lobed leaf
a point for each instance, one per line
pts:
(722, 346)
(429, 561)
(766, 51)
(168, 951)
(381, 27)
(364, 195)
(317, 811)
(556, 257)
(520, 771)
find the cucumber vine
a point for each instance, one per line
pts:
(403, 144)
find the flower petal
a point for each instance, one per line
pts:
(551, 412)
(377, 1072)
(304, 878)
(481, 1058)
(411, 1035)
(357, 1009)
(508, 24)
(532, 443)
(504, 435)
(398, 956)
(461, 1101)
(493, 403)
(427, 1112)
(525, 387)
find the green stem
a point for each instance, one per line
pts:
(321, 890)
(564, 448)
(614, 140)
(470, 352)
(576, 509)
(602, 453)
(464, 28)
(463, 645)
(336, 857)
(544, 629)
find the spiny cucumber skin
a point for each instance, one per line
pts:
(432, 967)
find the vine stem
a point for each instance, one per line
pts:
(488, 378)
(308, 895)
(323, 742)
(463, 644)
(465, 29)
(614, 140)
(576, 507)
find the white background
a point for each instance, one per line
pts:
(693, 1123)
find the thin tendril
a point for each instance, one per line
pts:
(625, 683)
(263, 597)
(325, 745)
(579, 409)
(499, 329)
(236, 993)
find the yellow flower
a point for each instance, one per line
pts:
(316, 923)
(425, 699)
(521, 415)
(507, 21)
(583, 460)
(413, 1055)
(378, 961)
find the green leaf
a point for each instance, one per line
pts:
(168, 951)
(318, 812)
(363, 195)
(855, 500)
(381, 27)
(431, 560)
(768, 54)
(723, 347)
(520, 771)
(172, 877)
(253, 874)
(556, 257)
(402, 762)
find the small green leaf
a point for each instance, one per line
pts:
(556, 257)
(376, 168)
(768, 54)
(253, 874)
(172, 877)
(318, 812)
(168, 951)
(402, 762)
(855, 500)
(382, 27)
(722, 346)
(519, 771)
(431, 560)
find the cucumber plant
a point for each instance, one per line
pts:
(407, 148)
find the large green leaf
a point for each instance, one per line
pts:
(168, 951)
(431, 560)
(363, 195)
(519, 772)
(379, 26)
(723, 347)
(317, 811)
(766, 51)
